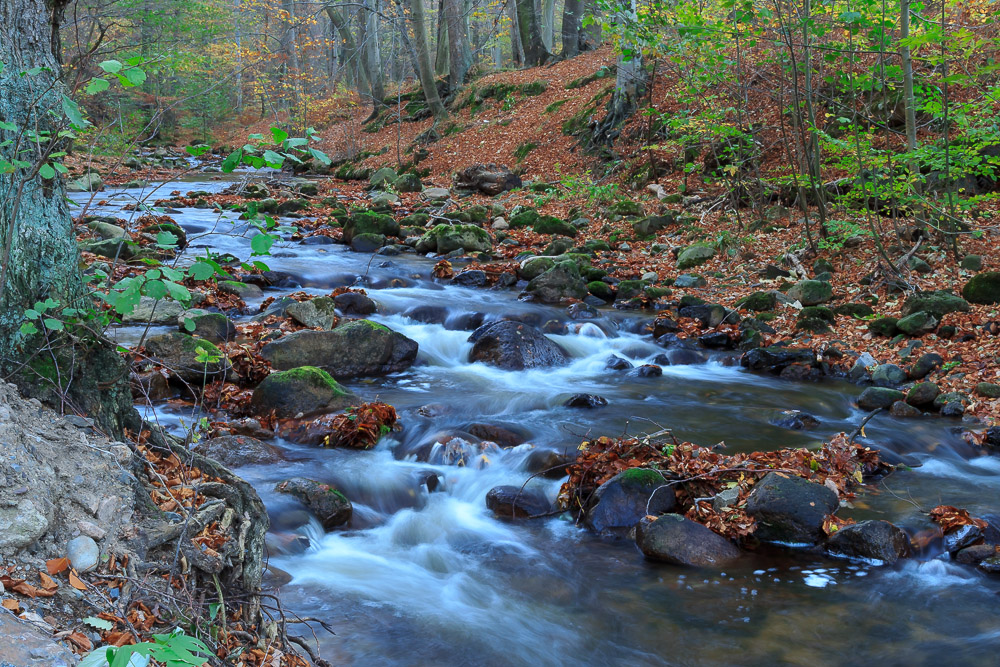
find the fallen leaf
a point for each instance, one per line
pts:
(57, 565)
(12, 605)
(48, 583)
(76, 582)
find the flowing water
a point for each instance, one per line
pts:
(429, 577)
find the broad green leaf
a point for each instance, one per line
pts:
(98, 623)
(10, 127)
(273, 159)
(171, 274)
(72, 111)
(97, 86)
(321, 156)
(232, 161)
(53, 324)
(201, 271)
(111, 66)
(28, 329)
(166, 239)
(261, 244)
(279, 135)
(135, 76)
(155, 288)
(189, 324)
(178, 292)
(46, 171)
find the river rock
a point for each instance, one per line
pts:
(153, 311)
(89, 182)
(23, 645)
(561, 281)
(694, 256)
(618, 504)
(775, 358)
(106, 230)
(938, 304)
(316, 313)
(923, 366)
(876, 398)
(975, 554)
(646, 371)
(22, 524)
(305, 390)
(214, 327)
(991, 565)
(811, 292)
(234, 451)
(511, 502)
(917, 324)
(922, 394)
(354, 303)
(489, 179)
(179, 352)
(355, 349)
(83, 553)
(514, 346)
(586, 401)
(368, 222)
(444, 239)
(677, 540)
(870, 540)
(790, 509)
(888, 375)
(329, 505)
(616, 363)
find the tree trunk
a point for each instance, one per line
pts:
(373, 53)
(590, 37)
(572, 16)
(422, 56)
(535, 52)
(460, 55)
(289, 37)
(350, 48)
(40, 258)
(909, 100)
(548, 24)
(516, 48)
(441, 64)
(630, 84)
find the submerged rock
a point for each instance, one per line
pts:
(790, 509)
(586, 401)
(677, 540)
(511, 502)
(870, 540)
(514, 346)
(618, 504)
(875, 398)
(329, 505)
(355, 349)
(305, 390)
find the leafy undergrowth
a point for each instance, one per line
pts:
(699, 473)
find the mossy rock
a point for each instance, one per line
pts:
(535, 267)
(857, 310)
(478, 213)
(628, 289)
(938, 304)
(627, 207)
(559, 246)
(561, 281)
(694, 256)
(443, 239)
(591, 273)
(415, 220)
(525, 218)
(242, 290)
(549, 224)
(983, 288)
(601, 290)
(758, 301)
(190, 359)
(307, 390)
(597, 245)
(884, 326)
(368, 222)
(811, 292)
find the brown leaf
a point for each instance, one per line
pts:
(12, 605)
(48, 583)
(76, 582)
(57, 565)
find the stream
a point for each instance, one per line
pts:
(430, 577)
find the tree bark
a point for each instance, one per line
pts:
(548, 24)
(422, 56)
(535, 52)
(630, 84)
(441, 58)
(40, 259)
(459, 53)
(350, 48)
(373, 53)
(590, 37)
(516, 48)
(572, 17)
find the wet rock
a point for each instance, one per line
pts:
(561, 281)
(888, 375)
(514, 346)
(975, 554)
(152, 385)
(917, 324)
(875, 398)
(903, 410)
(106, 230)
(789, 509)
(444, 239)
(795, 420)
(870, 540)
(962, 537)
(775, 358)
(83, 553)
(586, 401)
(241, 290)
(316, 313)
(360, 348)
(860, 370)
(925, 365)
(953, 409)
(367, 242)
(189, 359)
(489, 179)
(646, 371)
(511, 502)
(618, 504)
(234, 451)
(983, 288)
(494, 433)
(549, 463)
(709, 315)
(154, 311)
(214, 327)
(89, 182)
(677, 540)
(688, 280)
(305, 390)
(811, 292)
(922, 394)
(937, 304)
(354, 303)
(318, 239)
(470, 278)
(616, 363)
(369, 222)
(694, 256)
(329, 505)
(582, 311)
(717, 340)
(991, 565)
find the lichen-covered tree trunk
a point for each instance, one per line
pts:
(530, 30)
(422, 56)
(441, 63)
(516, 48)
(40, 259)
(460, 54)
(572, 17)
(350, 47)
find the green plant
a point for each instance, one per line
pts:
(174, 649)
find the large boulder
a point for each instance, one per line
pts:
(936, 303)
(694, 256)
(367, 222)
(153, 311)
(214, 327)
(811, 292)
(190, 359)
(870, 540)
(790, 510)
(677, 540)
(618, 504)
(877, 398)
(512, 502)
(514, 346)
(233, 451)
(443, 239)
(89, 182)
(561, 281)
(983, 288)
(775, 358)
(305, 390)
(489, 179)
(355, 349)
(316, 313)
(329, 505)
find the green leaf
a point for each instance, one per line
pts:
(28, 328)
(171, 274)
(10, 127)
(201, 271)
(97, 86)
(200, 149)
(189, 324)
(155, 288)
(178, 292)
(111, 66)
(98, 623)
(135, 76)
(166, 239)
(46, 171)
(273, 159)
(232, 161)
(320, 156)
(261, 244)
(53, 324)
(279, 135)
(295, 143)
(72, 111)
